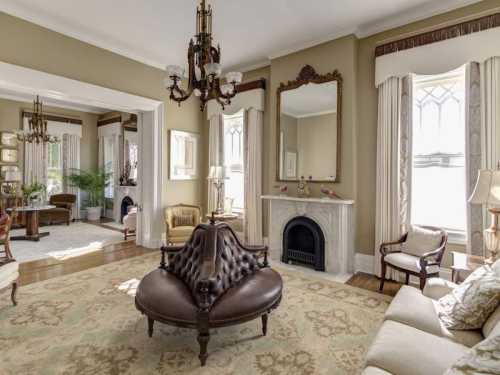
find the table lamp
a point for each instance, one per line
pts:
(217, 175)
(11, 177)
(487, 193)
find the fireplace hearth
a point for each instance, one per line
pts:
(304, 243)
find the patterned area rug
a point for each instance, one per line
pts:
(86, 323)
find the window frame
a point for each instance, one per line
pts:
(455, 236)
(241, 114)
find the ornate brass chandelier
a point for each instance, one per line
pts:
(204, 76)
(37, 132)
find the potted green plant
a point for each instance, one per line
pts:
(33, 192)
(93, 182)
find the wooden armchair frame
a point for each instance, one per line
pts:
(431, 258)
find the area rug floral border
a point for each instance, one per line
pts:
(86, 323)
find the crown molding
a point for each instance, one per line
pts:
(416, 14)
(78, 32)
(60, 26)
(311, 43)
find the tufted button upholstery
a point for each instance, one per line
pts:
(230, 260)
(212, 281)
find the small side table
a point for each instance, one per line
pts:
(464, 264)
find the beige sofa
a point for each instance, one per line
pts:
(412, 341)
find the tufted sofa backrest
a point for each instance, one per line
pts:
(215, 257)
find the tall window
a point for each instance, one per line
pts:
(55, 169)
(233, 160)
(109, 162)
(438, 181)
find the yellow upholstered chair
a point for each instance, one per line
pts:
(181, 220)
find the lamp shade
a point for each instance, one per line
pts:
(217, 173)
(487, 190)
(12, 175)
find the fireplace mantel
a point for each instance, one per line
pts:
(335, 217)
(308, 200)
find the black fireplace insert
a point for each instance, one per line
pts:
(304, 243)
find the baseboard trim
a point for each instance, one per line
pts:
(363, 263)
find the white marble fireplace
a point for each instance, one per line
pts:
(120, 193)
(334, 217)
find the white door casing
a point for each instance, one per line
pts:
(23, 81)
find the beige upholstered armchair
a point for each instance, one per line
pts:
(419, 254)
(181, 220)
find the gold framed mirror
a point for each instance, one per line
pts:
(309, 123)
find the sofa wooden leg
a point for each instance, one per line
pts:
(382, 277)
(203, 339)
(407, 281)
(13, 295)
(264, 324)
(125, 232)
(151, 323)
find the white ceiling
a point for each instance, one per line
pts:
(156, 32)
(310, 100)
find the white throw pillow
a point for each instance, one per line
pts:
(470, 304)
(484, 358)
(421, 240)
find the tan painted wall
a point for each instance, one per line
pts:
(355, 60)
(10, 120)
(317, 137)
(25, 44)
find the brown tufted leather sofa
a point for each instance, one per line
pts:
(213, 281)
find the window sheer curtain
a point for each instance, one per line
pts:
(473, 155)
(254, 123)
(215, 155)
(393, 185)
(484, 113)
(71, 161)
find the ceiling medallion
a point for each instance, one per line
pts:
(204, 76)
(37, 132)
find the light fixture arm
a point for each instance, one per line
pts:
(204, 67)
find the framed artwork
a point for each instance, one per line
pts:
(8, 156)
(291, 164)
(8, 139)
(184, 148)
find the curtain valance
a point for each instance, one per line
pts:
(439, 57)
(255, 99)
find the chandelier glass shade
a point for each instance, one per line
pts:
(205, 71)
(37, 131)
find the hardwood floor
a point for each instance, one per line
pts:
(370, 282)
(44, 269)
